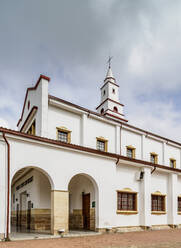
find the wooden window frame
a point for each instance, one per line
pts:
(65, 130)
(102, 139)
(127, 212)
(155, 157)
(174, 162)
(178, 198)
(158, 212)
(133, 149)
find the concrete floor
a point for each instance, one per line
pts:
(15, 236)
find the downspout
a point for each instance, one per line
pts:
(153, 169)
(8, 188)
(117, 161)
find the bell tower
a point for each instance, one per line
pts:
(110, 105)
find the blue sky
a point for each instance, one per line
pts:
(70, 41)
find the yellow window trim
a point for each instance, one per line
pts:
(158, 193)
(104, 140)
(64, 129)
(127, 190)
(133, 150)
(156, 157)
(32, 128)
(158, 212)
(126, 212)
(174, 162)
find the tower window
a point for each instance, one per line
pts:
(172, 163)
(130, 152)
(113, 91)
(63, 134)
(104, 92)
(102, 111)
(154, 158)
(115, 109)
(102, 144)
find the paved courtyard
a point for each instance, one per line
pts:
(146, 239)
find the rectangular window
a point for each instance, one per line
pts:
(63, 135)
(179, 204)
(126, 201)
(172, 163)
(153, 158)
(102, 144)
(130, 152)
(157, 203)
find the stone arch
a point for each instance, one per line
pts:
(31, 200)
(83, 202)
(36, 168)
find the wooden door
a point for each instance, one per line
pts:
(29, 216)
(86, 210)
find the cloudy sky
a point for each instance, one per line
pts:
(70, 41)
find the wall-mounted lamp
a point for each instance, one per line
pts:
(27, 195)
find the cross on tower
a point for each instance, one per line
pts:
(109, 61)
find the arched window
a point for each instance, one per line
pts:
(115, 109)
(102, 111)
(104, 92)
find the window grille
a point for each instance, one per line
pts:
(126, 201)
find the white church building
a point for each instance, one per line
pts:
(71, 168)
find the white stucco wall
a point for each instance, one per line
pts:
(61, 118)
(96, 128)
(159, 182)
(3, 186)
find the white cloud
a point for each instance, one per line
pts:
(70, 42)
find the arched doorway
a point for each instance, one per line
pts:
(31, 201)
(83, 203)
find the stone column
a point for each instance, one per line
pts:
(145, 199)
(59, 211)
(172, 199)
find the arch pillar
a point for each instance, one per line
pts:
(59, 211)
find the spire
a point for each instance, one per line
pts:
(109, 72)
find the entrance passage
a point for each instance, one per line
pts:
(31, 202)
(82, 203)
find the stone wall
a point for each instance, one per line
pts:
(40, 219)
(76, 219)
